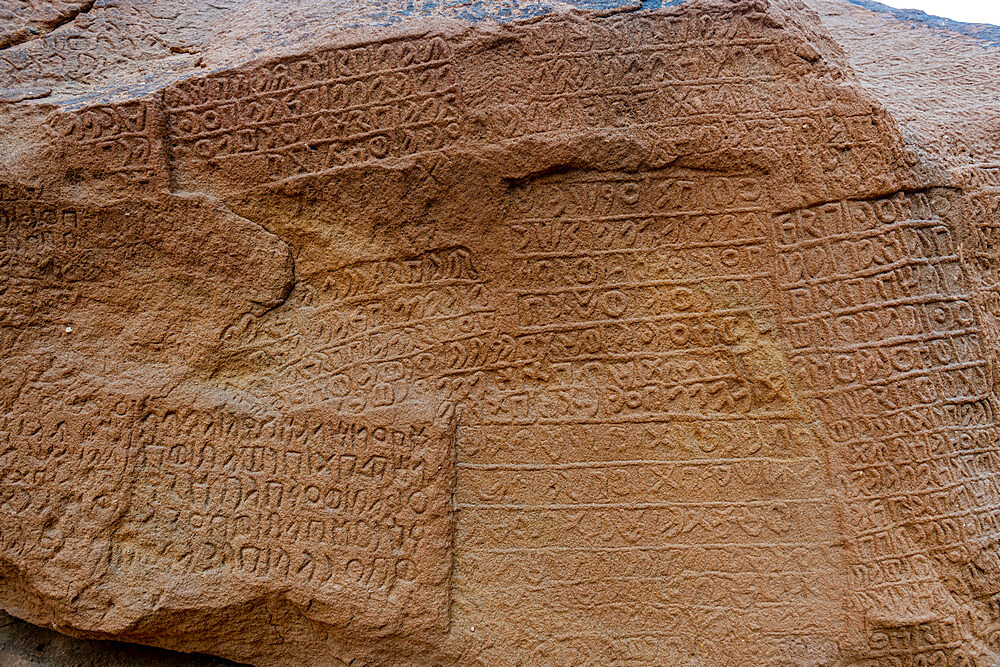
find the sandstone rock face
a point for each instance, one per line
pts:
(501, 333)
(25, 645)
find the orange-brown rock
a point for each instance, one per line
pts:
(501, 333)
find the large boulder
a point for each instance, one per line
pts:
(501, 333)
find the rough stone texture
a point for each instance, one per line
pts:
(501, 333)
(24, 645)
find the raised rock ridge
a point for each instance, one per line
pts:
(501, 333)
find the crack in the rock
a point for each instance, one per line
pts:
(28, 34)
(84, 8)
(270, 621)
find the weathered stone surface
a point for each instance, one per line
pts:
(23, 645)
(501, 333)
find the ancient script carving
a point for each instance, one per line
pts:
(499, 333)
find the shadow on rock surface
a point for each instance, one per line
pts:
(23, 644)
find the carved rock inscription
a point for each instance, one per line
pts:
(492, 333)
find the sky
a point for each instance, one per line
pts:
(972, 11)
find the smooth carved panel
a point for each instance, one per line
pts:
(888, 342)
(369, 334)
(650, 472)
(341, 107)
(351, 514)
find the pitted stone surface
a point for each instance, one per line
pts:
(501, 333)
